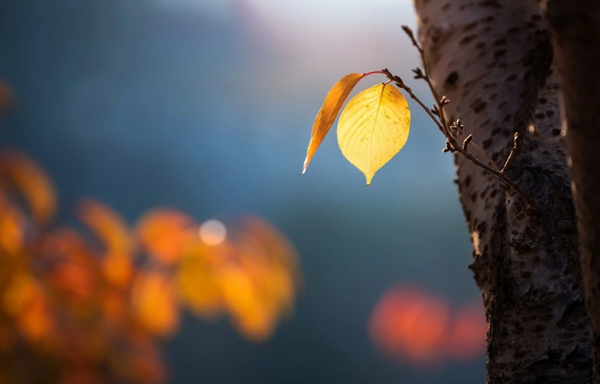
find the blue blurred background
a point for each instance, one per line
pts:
(207, 106)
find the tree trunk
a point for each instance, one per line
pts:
(493, 60)
(575, 26)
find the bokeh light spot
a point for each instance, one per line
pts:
(213, 232)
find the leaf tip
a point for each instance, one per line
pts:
(305, 165)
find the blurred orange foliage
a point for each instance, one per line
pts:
(89, 304)
(410, 324)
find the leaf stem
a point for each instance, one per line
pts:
(373, 73)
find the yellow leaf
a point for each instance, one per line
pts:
(154, 303)
(373, 128)
(331, 107)
(198, 287)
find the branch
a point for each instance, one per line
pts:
(451, 144)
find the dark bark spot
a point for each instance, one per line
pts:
(470, 26)
(466, 40)
(500, 41)
(490, 3)
(482, 227)
(479, 106)
(452, 78)
(499, 53)
(484, 193)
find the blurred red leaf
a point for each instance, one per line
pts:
(410, 324)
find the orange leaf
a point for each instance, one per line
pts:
(26, 300)
(328, 113)
(166, 234)
(112, 231)
(30, 180)
(106, 224)
(12, 227)
(118, 268)
(71, 267)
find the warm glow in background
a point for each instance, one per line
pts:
(206, 106)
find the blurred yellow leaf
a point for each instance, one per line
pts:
(252, 317)
(373, 128)
(327, 114)
(274, 243)
(30, 180)
(154, 303)
(273, 282)
(198, 287)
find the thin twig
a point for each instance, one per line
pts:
(427, 78)
(451, 144)
(512, 153)
(483, 153)
(401, 85)
(440, 101)
(467, 141)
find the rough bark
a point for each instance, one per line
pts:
(493, 60)
(575, 26)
